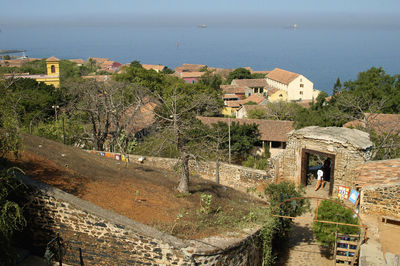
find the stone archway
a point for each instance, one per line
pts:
(348, 147)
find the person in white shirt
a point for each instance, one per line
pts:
(320, 179)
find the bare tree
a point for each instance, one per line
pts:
(106, 107)
(177, 124)
(366, 115)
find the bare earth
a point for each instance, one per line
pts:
(144, 194)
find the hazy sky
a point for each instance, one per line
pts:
(382, 12)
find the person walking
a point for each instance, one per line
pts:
(320, 179)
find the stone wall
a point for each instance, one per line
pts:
(381, 199)
(348, 155)
(234, 176)
(107, 238)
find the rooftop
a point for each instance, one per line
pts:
(270, 130)
(381, 123)
(344, 136)
(251, 83)
(282, 76)
(378, 173)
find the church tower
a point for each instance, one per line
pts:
(53, 66)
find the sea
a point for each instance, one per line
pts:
(320, 54)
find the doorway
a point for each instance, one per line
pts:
(311, 162)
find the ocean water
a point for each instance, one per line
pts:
(321, 55)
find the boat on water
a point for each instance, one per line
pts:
(203, 26)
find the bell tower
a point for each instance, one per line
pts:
(53, 66)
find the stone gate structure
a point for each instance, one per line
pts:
(347, 148)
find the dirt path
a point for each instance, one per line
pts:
(303, 249)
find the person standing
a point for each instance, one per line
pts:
(320, 179)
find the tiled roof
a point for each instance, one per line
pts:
(191, 74)
(52, 59)
(189, 68)
(282, 76)
(251, 83)
(378, 172)
(230, 96)
(233, 89)
(381, 123)
(234, 104)
(252, 98)
(154, 67)
(270, 130)
(78, 61)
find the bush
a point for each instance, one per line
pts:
(276, 230)
(335, 212)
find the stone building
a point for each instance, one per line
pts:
(346, 148)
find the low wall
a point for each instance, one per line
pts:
(234, 176)
(381, 199)
(107, 238)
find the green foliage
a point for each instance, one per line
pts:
(334, 212)
(167, 70)
(205, 203)
(250, 103)
(257, 76)
(239, 73)
(337, 87)
(277, 111)
(212, 80)
(275, 231)
(258, 162)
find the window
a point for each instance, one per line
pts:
(301, 85)
(301, 92)
(261, 90)
(53, 69)
(255, 90)
(301, 80)
(280, 95)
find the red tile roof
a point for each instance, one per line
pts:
(233, 89)
(191, 74)
(251, 83)
(189, 68)
(270, 130)
(52, 59)
(78, 61)
(282, 76)
(378, 172)
(252, 98)
(381, 123)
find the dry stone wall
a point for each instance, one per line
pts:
(381, 199)
(234, 176)
(107, 238)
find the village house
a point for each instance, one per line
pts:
(189, 77)
(110, 66)
(296, 86)
(273, 133)
(190, 68)
(254, 86)
(52, 77)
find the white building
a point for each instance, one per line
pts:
(295, 85)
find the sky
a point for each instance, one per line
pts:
(368, 12)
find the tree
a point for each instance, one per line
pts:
(106, 108)
(176, 120)
(337, 87)
(11, 213)
(277, 111)
(239, 73)
(333, 212)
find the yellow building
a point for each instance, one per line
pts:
(51, 78)
(277, 95)
(53, 72)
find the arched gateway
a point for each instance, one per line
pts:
(346, 149)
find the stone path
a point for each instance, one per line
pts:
(303, 249)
